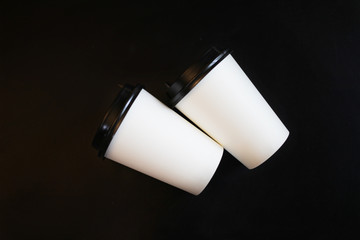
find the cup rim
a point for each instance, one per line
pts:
(114, 117)
(194, 74)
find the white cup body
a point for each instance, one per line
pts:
(156, 141)
(228, 107)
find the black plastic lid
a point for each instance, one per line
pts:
(194, 74)
(114, 116)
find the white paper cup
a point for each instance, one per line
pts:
(142, 133)
(219, 98)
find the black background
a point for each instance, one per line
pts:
(60, 64)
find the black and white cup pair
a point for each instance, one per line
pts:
(142, 133)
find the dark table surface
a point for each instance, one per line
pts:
(60, 64)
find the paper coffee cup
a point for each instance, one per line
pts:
(219, 98)
(142, 133)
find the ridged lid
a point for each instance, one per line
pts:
(194, 74)
(114, 116)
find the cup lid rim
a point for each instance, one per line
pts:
(114, 117)
(194, 74)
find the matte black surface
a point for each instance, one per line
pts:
(60, 64)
